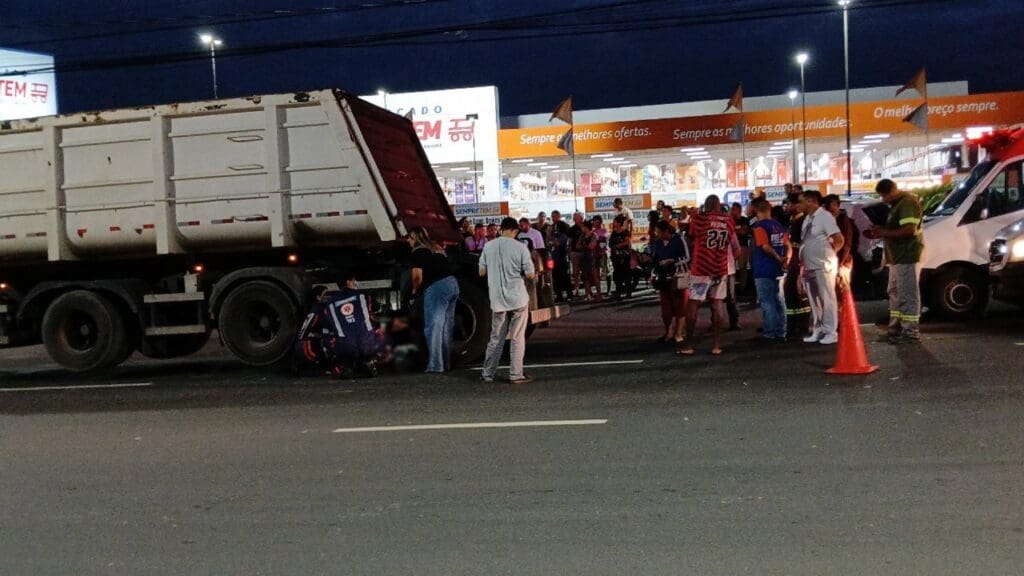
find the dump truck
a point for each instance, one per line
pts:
(151, 228)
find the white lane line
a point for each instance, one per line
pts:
(78, 387)
(567, 364)
(1019, 343)
(472, 425)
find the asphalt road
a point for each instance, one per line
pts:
(755, 462)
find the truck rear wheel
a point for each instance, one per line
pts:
(84, 332)
(257, 322)
(472, 323)
(958, 293)
(174, 346)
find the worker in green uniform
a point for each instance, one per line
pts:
(901, 235)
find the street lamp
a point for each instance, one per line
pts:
(476, 182)
(802, 59)
(792, 122)
(845, 4)
(383, 94)
(213, 43)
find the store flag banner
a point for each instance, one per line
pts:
(28, 85)
(409, 115)
(919, 82)
(736, 134)
(919, 117)
(565, 143)
(736, 101)
(563, 111)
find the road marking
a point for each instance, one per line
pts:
(1019, 343)
(78, 387)
(472, 425)
(567, 364)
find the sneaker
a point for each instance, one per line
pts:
(829, 339)
(524, 380)
(814, 337)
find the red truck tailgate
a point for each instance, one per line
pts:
(403, 165)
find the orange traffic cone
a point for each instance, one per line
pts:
(851, 358)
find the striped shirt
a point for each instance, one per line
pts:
(712, 234)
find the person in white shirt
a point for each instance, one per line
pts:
(821, 238)
(507, 265)
(622, 210)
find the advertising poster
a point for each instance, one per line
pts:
(28, 85)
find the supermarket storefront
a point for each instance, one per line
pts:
(682, 160)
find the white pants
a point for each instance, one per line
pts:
(509, 325)
(821, 292)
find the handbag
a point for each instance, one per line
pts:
(681, 279)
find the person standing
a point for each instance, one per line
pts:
(821, 238)
(668, 251)
(798, 310)
(587, 246)
(432, 277)
(625, 212)
(560, 254)
(713, 234)
(575, 254)
(475, 243)
(619, 243)
(844, 256)
(771, 255)
(904, 245)
(601, 255)
(507, 264)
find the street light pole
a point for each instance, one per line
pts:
(846, 63)
(801, 59)
(476, 183)
(212, 42)
(792, 131)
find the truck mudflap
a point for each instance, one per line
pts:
(542, 315)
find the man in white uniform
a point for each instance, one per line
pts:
(507, 265)
(821, 238)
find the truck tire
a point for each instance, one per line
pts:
(257, 323)
(958, 293)
(472, 323)
(173, 346)
(84, 332)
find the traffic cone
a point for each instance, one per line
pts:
(851, 357)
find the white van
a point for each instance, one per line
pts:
(957, 234)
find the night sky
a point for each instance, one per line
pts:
(122, 53)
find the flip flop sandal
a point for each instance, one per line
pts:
(717, 352)
(685, 352)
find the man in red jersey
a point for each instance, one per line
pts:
(712, 233)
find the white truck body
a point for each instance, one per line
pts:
(268, 171)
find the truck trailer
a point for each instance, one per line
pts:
(150, 228)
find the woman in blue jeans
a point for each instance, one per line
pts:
(432, 277)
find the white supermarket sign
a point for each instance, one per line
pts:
(28, 85)
(454, 126)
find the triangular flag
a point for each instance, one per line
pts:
(563, 111)
(565, 143)
(919, 117)
(408, 115)
(737, 99)
(919, 82)
(736, 134)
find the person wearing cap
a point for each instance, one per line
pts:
(507, 265)
(901, 236)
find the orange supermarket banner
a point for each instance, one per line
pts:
(945, 113)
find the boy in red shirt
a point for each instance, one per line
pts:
(712, 232)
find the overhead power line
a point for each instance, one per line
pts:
(614, 17)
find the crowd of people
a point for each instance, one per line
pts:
(793, 260)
